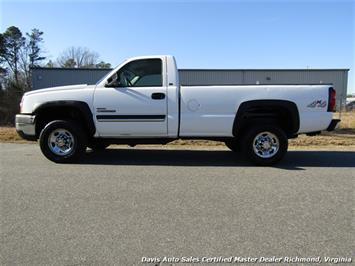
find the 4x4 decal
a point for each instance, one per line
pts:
(317, 103)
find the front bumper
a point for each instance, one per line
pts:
(333, 124)
(25, 126)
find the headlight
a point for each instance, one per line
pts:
(21, 104)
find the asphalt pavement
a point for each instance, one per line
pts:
(119, 206)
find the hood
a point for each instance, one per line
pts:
(60, 88)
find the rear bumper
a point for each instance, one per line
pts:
(25, 126)
(333, 124)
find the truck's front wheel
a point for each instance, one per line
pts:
(62, 141)
(265, 144)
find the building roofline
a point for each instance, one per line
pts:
(207, 69)
(264, 69)
(69, 68)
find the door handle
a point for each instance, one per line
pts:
(158, 96)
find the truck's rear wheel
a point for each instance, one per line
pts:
(62, 141)
(265, 144)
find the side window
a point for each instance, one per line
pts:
(140, 73)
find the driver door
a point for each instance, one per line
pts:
(133, 102)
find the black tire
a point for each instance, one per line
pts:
(68, 129)
(97, 145)
(233, 145)
(273, 155)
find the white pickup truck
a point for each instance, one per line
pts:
(142, 102)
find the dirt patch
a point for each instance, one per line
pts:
(347, 120)
(325, 139)
(9, 134)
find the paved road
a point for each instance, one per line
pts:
(121, 205)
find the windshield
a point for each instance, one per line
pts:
(105, 76)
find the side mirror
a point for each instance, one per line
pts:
(112, 84)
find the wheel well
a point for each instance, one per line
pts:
(280, 112)
(49, 112)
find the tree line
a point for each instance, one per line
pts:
(19, 53)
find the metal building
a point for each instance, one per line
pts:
(50, 77)
(43, 77)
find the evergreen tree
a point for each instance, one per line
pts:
(12, 42)
(34, 41)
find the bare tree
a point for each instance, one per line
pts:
(78, 57)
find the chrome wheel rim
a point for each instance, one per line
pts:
(266, 144)
(61, 142)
